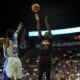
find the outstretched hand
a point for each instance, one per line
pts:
(37, 16)
(20, 27)
(45, 19)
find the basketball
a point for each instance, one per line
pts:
(35, 7)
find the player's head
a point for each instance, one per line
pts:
(47, 35)
(9, 33)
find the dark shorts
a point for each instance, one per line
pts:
(45, 63)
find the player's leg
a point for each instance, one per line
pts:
(40, 74)
(41, 69)
(17, 74)
(48, 69)
(5, 77)
(48, 75)
(10, 67)
(18, 70)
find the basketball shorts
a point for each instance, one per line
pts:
(12, 68)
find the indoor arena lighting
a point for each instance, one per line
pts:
(56, 32)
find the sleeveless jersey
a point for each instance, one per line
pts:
(12, 50)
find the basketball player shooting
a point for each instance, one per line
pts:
(46, 45)
(12, 65)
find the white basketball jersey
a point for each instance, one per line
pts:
(12, 50)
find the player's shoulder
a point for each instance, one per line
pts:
(6, 42)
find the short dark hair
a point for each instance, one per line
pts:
(9, 33)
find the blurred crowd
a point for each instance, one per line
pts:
(65, 63)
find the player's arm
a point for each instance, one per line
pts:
(38, 24)
(47, 25)
(17, 31)
(4, 42)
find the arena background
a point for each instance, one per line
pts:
(62, 14)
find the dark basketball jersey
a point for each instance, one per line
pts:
(45, 46)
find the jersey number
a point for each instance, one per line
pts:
(15, 50)
(45, 47)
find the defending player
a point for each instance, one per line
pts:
(12, 65)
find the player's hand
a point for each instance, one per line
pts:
(37, 16)
(21, 25)
(45, 19)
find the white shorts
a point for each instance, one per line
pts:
(12, 68)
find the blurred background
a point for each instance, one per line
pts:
(61, 14)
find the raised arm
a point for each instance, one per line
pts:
(16, 33)
(38, 24)
(47, 25)
(18, 29)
